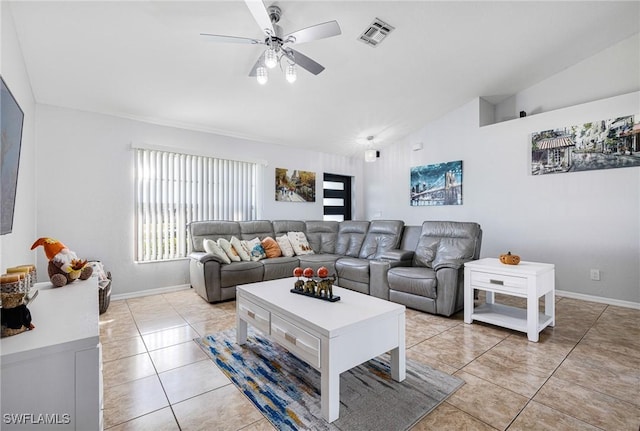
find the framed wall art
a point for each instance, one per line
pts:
(437, 184)
(602, 144)
(295, 185)
(11, 121)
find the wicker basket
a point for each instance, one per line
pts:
(104, 295)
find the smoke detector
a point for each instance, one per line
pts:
(376, 32)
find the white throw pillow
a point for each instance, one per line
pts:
(241, 248)
(228, 248)
(285, 246)
(299, 243)
(257, 252)
(210, 246)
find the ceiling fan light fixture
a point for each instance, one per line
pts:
(270, 58)
(291, 73)
(261, 75)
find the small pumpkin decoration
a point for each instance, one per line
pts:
(510, 259)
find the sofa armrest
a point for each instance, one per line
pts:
(378, 281)
(450, 263)
(450, 282)
(203, 257)
(396, 255)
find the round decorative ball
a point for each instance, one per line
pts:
(323, 272)
(308, 272)
(510, 259)
(297, 272)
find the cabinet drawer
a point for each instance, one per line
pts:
(254, 315)
(296, 340)
(498, 281)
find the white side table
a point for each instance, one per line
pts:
(529, 280)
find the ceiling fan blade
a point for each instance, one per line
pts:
(303, 61)
(260, 14)
(319, 31)
(260, 62)
(230, 39)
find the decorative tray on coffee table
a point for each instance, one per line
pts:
(334, 298)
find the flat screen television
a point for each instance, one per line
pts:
(11, 119)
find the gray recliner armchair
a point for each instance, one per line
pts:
(427, 272)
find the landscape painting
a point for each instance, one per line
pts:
(295, 185)
(603, 144)
(437, 184)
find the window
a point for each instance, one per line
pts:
(175, 189)
(337, 197)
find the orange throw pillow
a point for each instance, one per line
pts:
(271, 247)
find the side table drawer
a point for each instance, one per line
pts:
(498, 281)
(255, 315)
(296, 340)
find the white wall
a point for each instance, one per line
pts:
(578, 221)
(14, 247)
(613, 71)
(85, 188)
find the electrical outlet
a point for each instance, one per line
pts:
(595, 274)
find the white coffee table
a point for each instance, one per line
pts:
(332, 337)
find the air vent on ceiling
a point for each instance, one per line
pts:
(376, 32)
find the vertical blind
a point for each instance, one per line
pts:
(175, 189)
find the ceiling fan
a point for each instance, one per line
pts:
(277, 42)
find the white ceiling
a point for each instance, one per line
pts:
(146, 60)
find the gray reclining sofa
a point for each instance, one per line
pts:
(364, 256)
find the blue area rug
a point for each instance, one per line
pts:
(287, 390)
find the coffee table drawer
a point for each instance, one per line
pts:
(296, 340)
(254, 314)
(498, 281)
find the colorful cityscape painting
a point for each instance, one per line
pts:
(295, 185)
(602, 144)
(437, 184)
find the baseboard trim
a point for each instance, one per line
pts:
(149, 292)
(563, 293)
(600, 299)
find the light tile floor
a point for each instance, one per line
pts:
(584, 374)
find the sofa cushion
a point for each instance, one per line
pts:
(353, 268)
(285, 246)
(211, 229)
(228, 248)
(281, 227)
(299, 243)
(382, 235)
(412, 280)
(350, 237)
(257, 252)
(279, 267)
(255, 228)
(241, 273)
(315, 261)
(241, 248)
(322, 235)
(442, 241)
(211, 247)
(271, 247)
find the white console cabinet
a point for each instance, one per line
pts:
(51, 376)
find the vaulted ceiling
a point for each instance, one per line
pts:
(146, 60)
